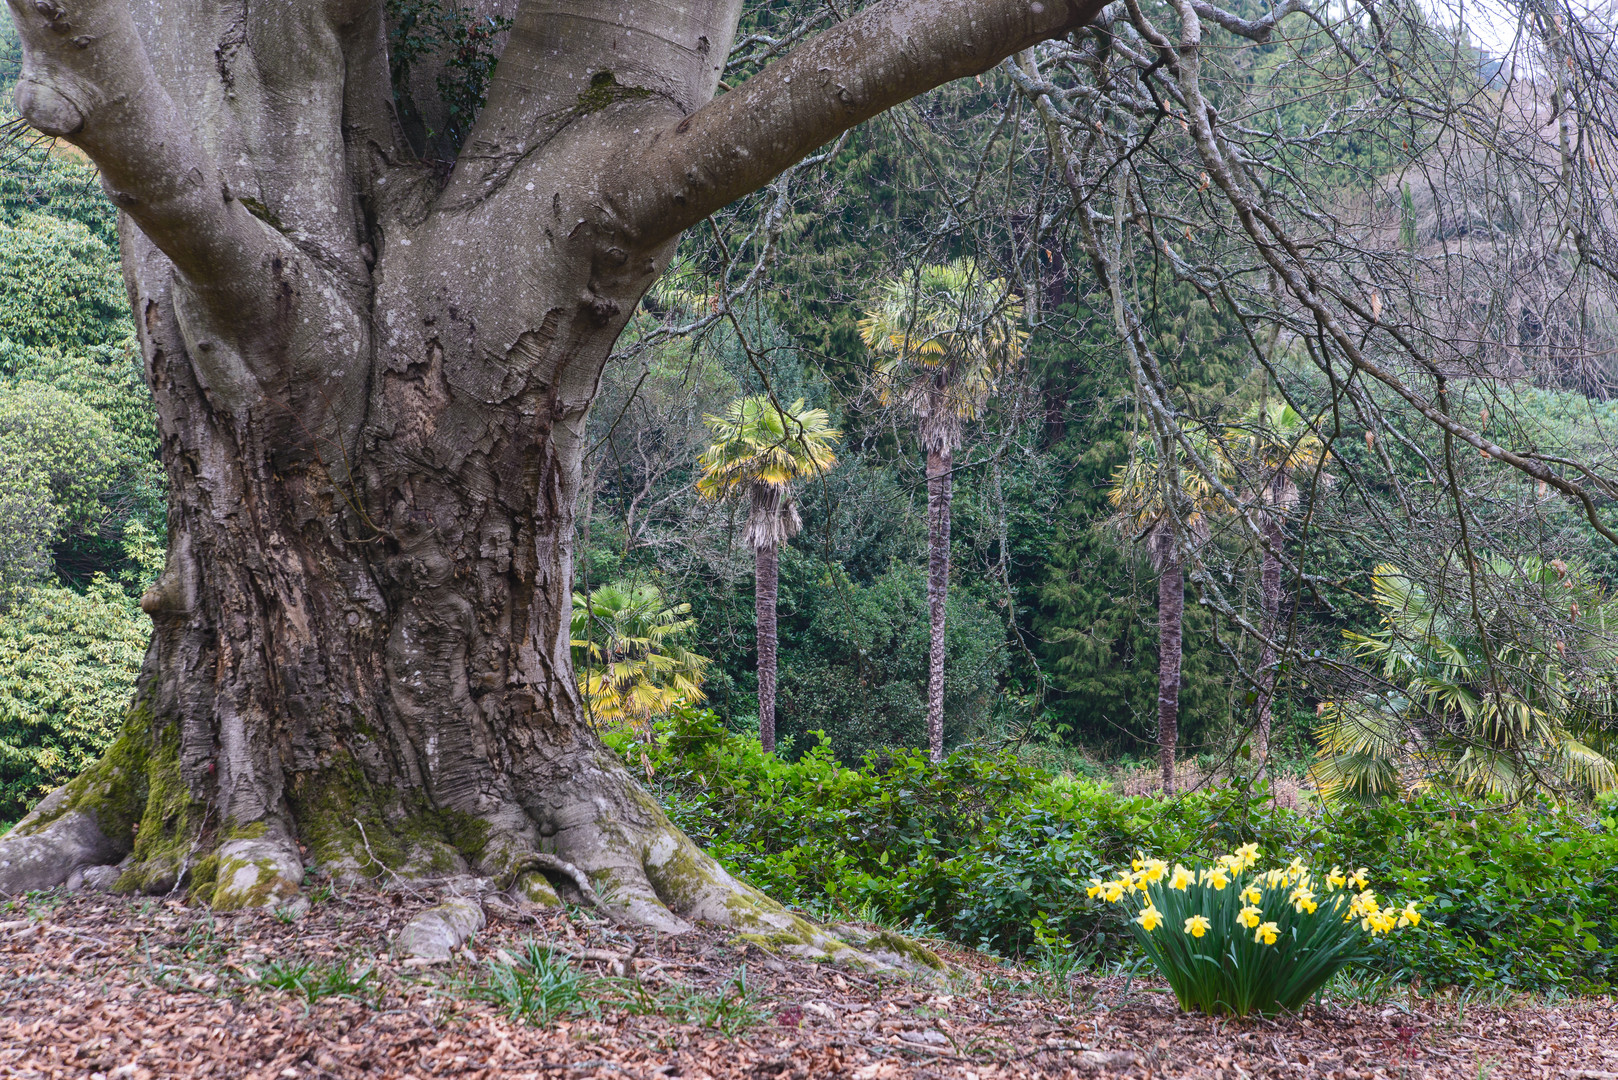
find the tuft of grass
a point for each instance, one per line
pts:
(730, 1010)
(202, 942)
(538, 989)
(315, 981)
(1055, 970)
(1353, 986)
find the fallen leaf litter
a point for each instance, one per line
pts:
(107, 988)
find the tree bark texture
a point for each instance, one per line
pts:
(371, 381)
(1170, 613)
(940, 464)
(766, 585)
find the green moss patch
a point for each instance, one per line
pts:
(605, 90)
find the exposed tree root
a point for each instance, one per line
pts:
(130, 824)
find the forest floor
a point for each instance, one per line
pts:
(93, 986)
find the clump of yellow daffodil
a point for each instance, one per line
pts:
(1232, 936)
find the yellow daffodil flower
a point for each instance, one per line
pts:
(1360, 878)
(1303, 900)
(1112, 892)
(1150, 919)
(1137, 865)
(1377, 922)
(1252, 894)
(1336, 879)
(1197, 925)
(1249, 916)
(1095, 888)
(1266, 933)
(1218, 879)
(1182, 878)
(1410, 916)
(1248, 854)
(1155, 869)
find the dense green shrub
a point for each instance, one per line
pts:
(59, 284)
(992, 853)
(29, 521)
(1526, 897)
(68, 663)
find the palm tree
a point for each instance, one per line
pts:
(1274, 446)
(761, 448)
(1168, 508)
(1522, 705)
(944, 340)
(626, 650)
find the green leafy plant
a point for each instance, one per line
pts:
(1502, 692)
(627, 652)
(419, 30)
(1233, 939)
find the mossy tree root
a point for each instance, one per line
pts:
(600, 839)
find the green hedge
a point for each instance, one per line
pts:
(992, 853)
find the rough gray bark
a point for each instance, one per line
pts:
(371, 382)
(940, 463)
(1170, 614)
(766, 583)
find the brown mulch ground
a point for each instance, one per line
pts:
(98, 987)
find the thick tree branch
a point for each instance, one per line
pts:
(887, 54)
(86, 77)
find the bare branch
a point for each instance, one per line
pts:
(886, 54)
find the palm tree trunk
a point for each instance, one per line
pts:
(766, 580)
(1270, 600)
(939, 466)
(1170, 612)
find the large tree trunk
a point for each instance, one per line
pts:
(1270, 625)
(766, 584)
(940, 463)
(371, 382)
(1170, 612)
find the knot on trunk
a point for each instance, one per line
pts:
(601, 309)
(54, 16)
(47, 108)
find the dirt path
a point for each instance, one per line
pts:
(94, 986)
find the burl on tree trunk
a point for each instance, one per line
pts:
(371, 380)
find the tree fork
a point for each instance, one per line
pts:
(371, 384)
